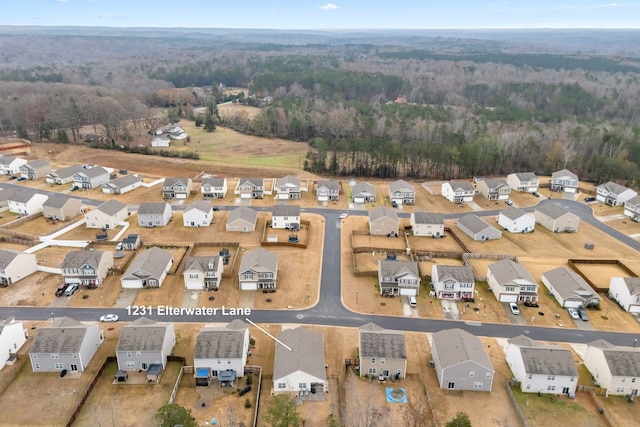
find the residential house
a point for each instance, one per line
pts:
(122, 185)
(401, 193)
(258, 270)
(288, 188)
(10, 165)
(35, 169)
(15, 266)
(62, 208)
(299, 364)
(213, 188)
(427, 224)
(363, 192)
(64, 175)
(131, 243)
(614, 194)
(458, 191)
(250, 188)
(91, 178)
(542, 368)
(383, 353)
(12, 338)
(26, 202)
(95, 139)
(632, 208)
(177, 188)
(285, 216)
(511, 282)
(523, 182)
(221, 352)
(145, 342)
(156, 214)
(515, 220)
(328, 190)
(203, 273)
(168, 129)
(616, 368)
(494, 189)
(477, 228)
(198, 214)
(86, 268)
(460, 361)
(556, 219)
(383, 221)
(398, 278)
(455, 282)
(242, 219)
(66, 344)
(148, 269)
(5, 195)
(564, 180)
(107, 216)
(569, 288)
(160, 141)
(626, 292)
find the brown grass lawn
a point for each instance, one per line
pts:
(229, 111)
(623, 413)
(36, 290)
(601, 274)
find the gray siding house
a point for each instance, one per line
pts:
(242, 219)
(398, 278)
(461, 361)
(148, 269)
(91, 178)
(154, 214)
(221, 352)
(144, 342)
(556, 219)
(402, 193)
(177, 188)
(86, 268)
(382, 352)
(258, 270)
(61, 208)
(383, 221)
(569, 288)
(477, 228)
(363, 192)
(327, 191)
(64, 175)
(564, 180)
(66, 344)
(35, 169)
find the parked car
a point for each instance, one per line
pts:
(514, 308)
(60, 290)
(412, 301)
(589, 199)
(109, 318)
(344, 215)
(215, 209)
(12, 177)
(573, 313)
(508, 202)
(22, 178)
(535, 193)
(119, 246)
(71, 289)
(583, 314)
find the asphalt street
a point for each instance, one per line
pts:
(329, 309)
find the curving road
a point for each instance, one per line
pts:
(331, 312)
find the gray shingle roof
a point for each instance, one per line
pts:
(7, 256)
(94, 171)
(613, 187)
(68, 171)
(153, 261)
(552, 210)
(381, 212)
(363, 187)
(474, 223)
(493, 183)
(22, 196)
(213, 181)
(456, 346)
(6, 160)
(260, 259)
(378, 342)
(221, 342)
(77, 259)
(6, 194)
(513, 213)
(307, 355)
(64, 336)
(569, 283)
(201, 263)
(142, 334)
(126, 181)
(459, 273)
(37, 163)
(170, 182)
(156, 208)
(286, 210)
(544, 359)
(462, 185)
(289, 179)
(633, 202)
(56, 201)
(399, 185)
(622, 361)
(422, 217)
(395, 268)
(507, 270)
(330, 184)
(562, 173)
(111, 207)
(255, 182)
(244, 213)
(526, 176)
(633, 284)
(200, 205)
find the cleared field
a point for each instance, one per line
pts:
(444, 244)
(366, 261)
(600, 274)
(230, 111)
(35, 290)
(538, 410)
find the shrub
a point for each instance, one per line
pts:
(247, 403)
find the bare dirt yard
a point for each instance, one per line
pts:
(601, 274)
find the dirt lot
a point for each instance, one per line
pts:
(601, 274)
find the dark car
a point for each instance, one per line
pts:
(13, 177)
(60, 290)
(535, 193)
(215, 208)
(589, 199)
(22, 178)
(583, 314)
(244, 391)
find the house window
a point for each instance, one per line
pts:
(572, 379)
(633, 380)
(34, 356)
(624, 380)
(509, 288)
(551, 388)
(59, 366)
(472, 374)
(131, 364)
(551, 377)
(372, 370)
(138, 354)
(620, 390)
(477, 384)
(373, 360)
(248, 276)
(451, 385)
(448, 286)
(488, 375)
(528, 387)
(302, 385)
(399, 372)
(382, 360)
(55, 356)
(530, 376)
(282, 386)
(129, 354)
(75, 356)
(193, 275)
(36, 366)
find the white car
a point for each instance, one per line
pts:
(344, 215)
(109, 318)
(514, 308)
(573, 313)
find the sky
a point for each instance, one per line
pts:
(324, 14)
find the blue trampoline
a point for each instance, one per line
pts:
(396, 395)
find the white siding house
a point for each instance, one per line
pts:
(221, 352)
(569, 288)
(143, 343)
(12, 338)
(614, 194)
(564, 180)
(458, 191)
(632, 208)
(516, 221)
(511, 282)
(427, 224)
(626, 292)
(15, 266)
(615, 368)
(302, 370)
(523, 182)
(108, 215)
(26, 203)
(198, 214)
(453, 281)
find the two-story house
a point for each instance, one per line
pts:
(458, 191)
(213, 188)
(564, 180)
(616, 368)
(91, 178)
(221, 352)
(198, 214)
(64, 175)
(401, 193)
(86, 268)
(66, 344)
(626, 292)
(632, 208)
(523, 182)
(62, 208)
(382, 352)
(26, 202)
(258, 270)
(203, 272)
(288, 188)
(569, 288)
(107, 216)
(15, 266)
(154, 214)
(556, 218)
(453, 282)
(494, 189)
(148, 269)
(250, 188)
(145, 342)
(515, 220)
(12, 338)
(542, 368)
(328, 190)
(383, 221)
(285, 216)
(460, 361)
(427, 224)
(177, 188)
(122, 185)
(398, 278)
(614, 194)
(511, 282)
(477, 228)
(363, 192)
(10, 165)
(35, 169)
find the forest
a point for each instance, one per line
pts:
(383, 105)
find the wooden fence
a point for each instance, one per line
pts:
(19, 221)
(457, 239)
(516, 406)
(608, 419)
(302, 245)
(255, 370)
(94, 381)
(573, 263)
(182, 361)
(19, 241)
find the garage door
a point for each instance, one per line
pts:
(249, 286)
(358, 200)
(245, 196)
(634, 309)
(508, 298)
(503, 197)
(129, 284)
(283, 196)
(181, 196)
(323, 198)
(570, 190)
(408, 292)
